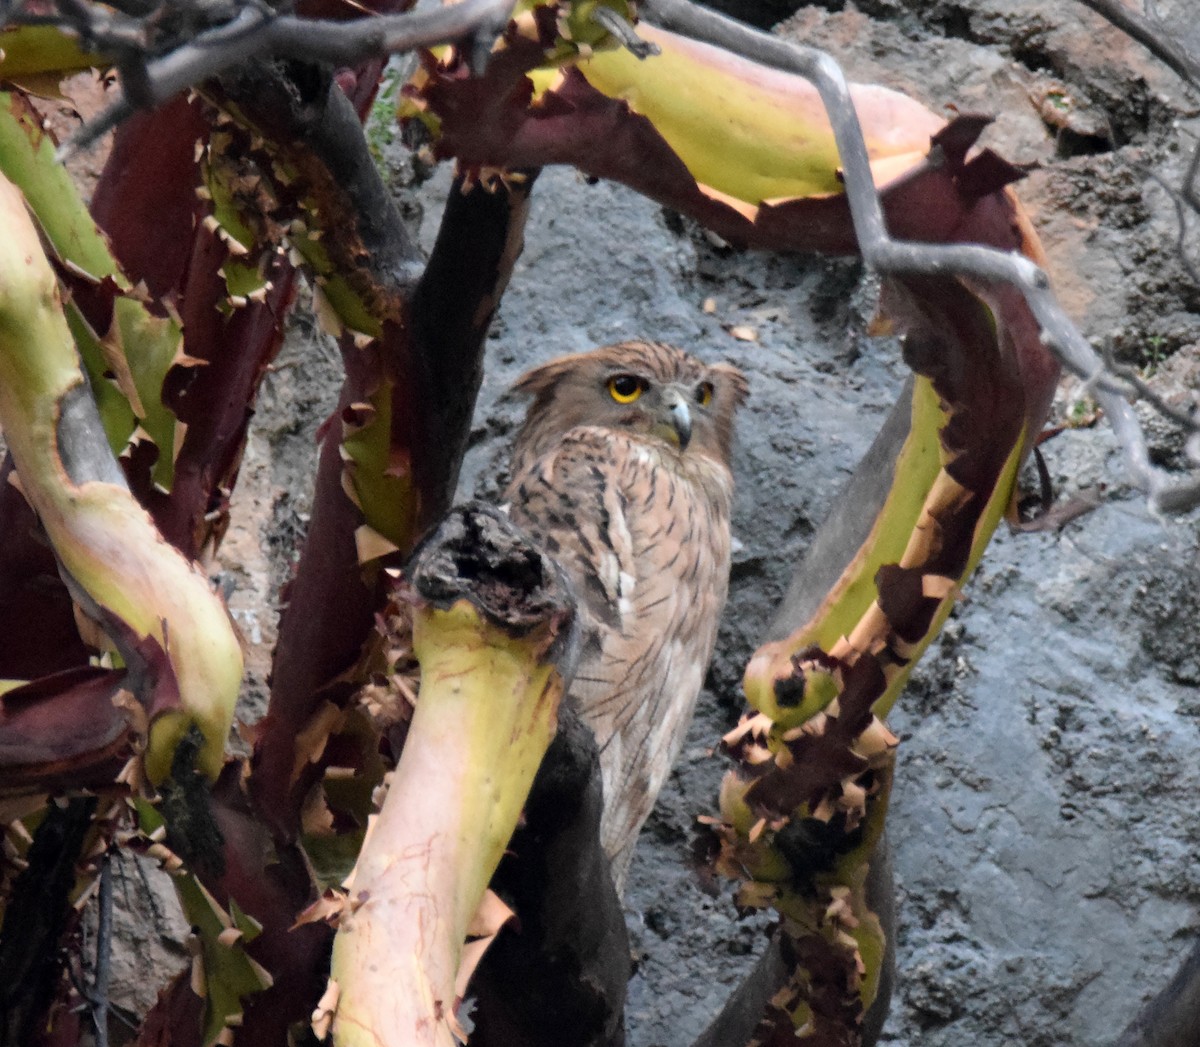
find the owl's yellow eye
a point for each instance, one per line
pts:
(625, 388)
(704, 394)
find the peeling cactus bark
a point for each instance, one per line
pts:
(134, 585)
(493, 629)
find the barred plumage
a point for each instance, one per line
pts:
(621, 471)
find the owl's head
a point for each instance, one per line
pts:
(650, 389)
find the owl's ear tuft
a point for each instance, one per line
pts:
(540, 380)
(732, 379)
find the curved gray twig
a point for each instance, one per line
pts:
(1148, 32)
(1166, 492)
(255, 34)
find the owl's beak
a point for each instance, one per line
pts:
(676, 424)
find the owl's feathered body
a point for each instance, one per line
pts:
(631, 492)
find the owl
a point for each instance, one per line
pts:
(621, 473)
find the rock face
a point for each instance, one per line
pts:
(1044, 815)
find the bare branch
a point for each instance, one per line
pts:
(981, 264)
(1184, 419)
(1148, 32)
(255, 33)
(613, 23)
(99, 1002)
(1185, 198)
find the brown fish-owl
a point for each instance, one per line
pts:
(621, 472)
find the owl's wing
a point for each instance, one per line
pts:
(568, 502)
(649, 560)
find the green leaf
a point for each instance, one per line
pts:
(125, 365)
(34, 50)
(230, 974)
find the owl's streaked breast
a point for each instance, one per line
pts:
(644, 536)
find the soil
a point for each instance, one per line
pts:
(1044, 817)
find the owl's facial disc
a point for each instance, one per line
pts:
(673, 420)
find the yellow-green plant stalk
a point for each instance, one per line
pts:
(748, 132)
(907, 532)
(802, 815)
(139, 348)
(159, 610)
(749, 135)
(490, 690)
